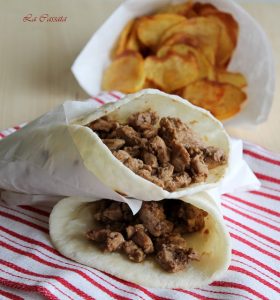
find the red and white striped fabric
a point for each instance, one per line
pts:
(30, 268)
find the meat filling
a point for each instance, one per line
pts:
(148, 145)
(158, 230)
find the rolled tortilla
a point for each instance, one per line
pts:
(99, 160)
(71, 218)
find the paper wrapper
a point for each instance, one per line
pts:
(41, 162)
(253, 56)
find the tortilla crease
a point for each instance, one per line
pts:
(72, 217)
(99, 160)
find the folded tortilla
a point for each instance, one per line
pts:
(102, 163)
(72, 217)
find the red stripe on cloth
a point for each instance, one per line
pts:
(10, 295)
(198, 296)
(57, 278)
(29, 288)
(261, 157)
(267, 178)
(2, 135)
(53, 251)
(253, 260)
(98, 100)
(251, 218)
(225, 293)
(17, 127)
(265, 195)
(20, 220)
(258, 278)
(114, 95)
(267, 210)
(265, 237)
(22, 213)
(56, 266)
(244, 241)
(240, 287)
(36, 210)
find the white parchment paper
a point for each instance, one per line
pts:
(253, 56)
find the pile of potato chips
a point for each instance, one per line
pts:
(182, 49)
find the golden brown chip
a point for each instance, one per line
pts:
(172, 71)
(206, 70)
(125, 74)
(184, 9)
(236, 79)
(203, 30)
(203, 8)
(223, 100)
(151, 28)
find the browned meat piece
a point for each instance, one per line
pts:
(134, 164)
(128, 134)
(98, 235)
(149, 133)
(159, 148)
(179, 180)
(199, 169)
(173, 238)
(172, 258)
(173, 129)
(121, 155)
(193, 217)
(143, 120)
(130, 230)
(150, 159)
(111, 213)
(165, 173)
(133, 151)
(180, 157)
(141, 238)
(133, 252)
(127, 213)
(111, 241)
(103, 124)
(113, 144)
(214, 157)
(153, 217)
(146, 174)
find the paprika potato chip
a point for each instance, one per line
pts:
(126, 73)
(151, 28)
(236, 79)
(172, 71)
(205, 31)
(223, 100)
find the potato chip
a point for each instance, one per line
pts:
(206, 70)
(125, 74)
(204, 31)
(202, 9)
(151, 28)
(172, 71)
(223, 100)
(236, 79)
(184, 9)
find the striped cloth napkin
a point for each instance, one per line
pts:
(30, 268)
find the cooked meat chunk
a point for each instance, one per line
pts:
(150, 159)
(173, 238)
(172, 258)
(141, 238)
(199, 169)
(153, 217)
(173, 129)
(111, 213)
(111, 241)
(128, 134)
(192, 216)
(103, 124)
(214, 157)
(133, 252)
(127, 213)
(180, 158)
(159, 148)
(113, 144)
(143, 120)
(164, 151)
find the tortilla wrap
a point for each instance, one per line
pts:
(72, 217)
(113, 173)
